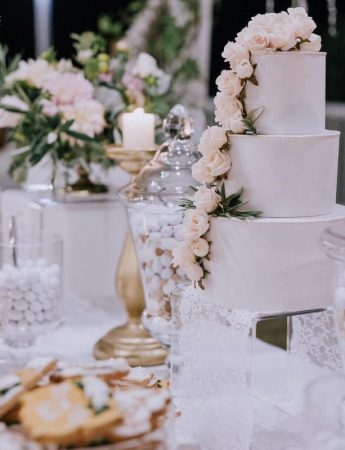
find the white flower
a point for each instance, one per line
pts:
(218, 163)
(146, 66)
(195, 224)
(122, 45)
(201, 172)
(229, 83)
(234, 52)
(262, 22)
(65, 65)
(282, 35)
(51, 138)
(84, 55)
(226, 106)
(212, 139)
(312, 45)
(194, 272)
(9, 119)
(244, 69)
(200, 247)
(235, 123)
(206, 199)
(302, 24)
(33, 72)
(256, 40)
(183, 256)
(88, 116)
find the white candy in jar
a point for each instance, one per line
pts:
(32, 290)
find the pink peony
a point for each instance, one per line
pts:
(68, 88)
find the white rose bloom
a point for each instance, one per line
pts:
(145, 66)
(194, 272)
(282, 36)
(226, 106)
(195, 224)
(229, 83)
(33, 72)
(263, 22)
(256, 40)
(201, 172)
(244, 69)
(183, 256)
(236, 124)
(302, 24)
(212, 139)
(234, 52)
(200, 247)
(312, 45)
(206, 199)
(299, 11)
(218, 163)
(9, 119)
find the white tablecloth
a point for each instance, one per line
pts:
(276, 420)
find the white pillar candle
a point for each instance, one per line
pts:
(138, 130)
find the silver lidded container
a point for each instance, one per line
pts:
(155, 218)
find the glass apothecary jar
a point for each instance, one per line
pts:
(333, 239)
(155, 218)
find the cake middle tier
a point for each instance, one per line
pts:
(285, 176)
(270, 265)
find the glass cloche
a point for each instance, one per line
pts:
(155, 218)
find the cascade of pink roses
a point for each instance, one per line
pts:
(285, 31)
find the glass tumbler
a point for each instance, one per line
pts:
(30, 285)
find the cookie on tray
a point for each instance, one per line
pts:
(13, 386)
(108, 370)
(140, 377)
(70, 413)
(140, 408)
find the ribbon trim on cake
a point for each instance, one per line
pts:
(273, 32)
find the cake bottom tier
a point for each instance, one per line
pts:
(270, 265)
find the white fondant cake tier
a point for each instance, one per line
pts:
(270, 264)
(291, 88)
(285, 176)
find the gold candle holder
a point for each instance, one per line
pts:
(131, 340)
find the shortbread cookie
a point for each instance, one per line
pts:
(35, 370)
(139, 407)
(109, 370)
(71, 413)
(13, 386)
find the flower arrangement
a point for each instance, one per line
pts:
(51, 109)
(67, 111)
(123, 82)
(291, 31)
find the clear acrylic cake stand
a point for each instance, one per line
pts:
(215, 371)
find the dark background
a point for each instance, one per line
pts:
(230, 16)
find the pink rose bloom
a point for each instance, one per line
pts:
(106, 77)
(68, 88)
(132, 83)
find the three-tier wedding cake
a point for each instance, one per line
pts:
(258, 248)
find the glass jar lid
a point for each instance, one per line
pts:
(168, 176)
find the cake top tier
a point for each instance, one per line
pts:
(276, 81)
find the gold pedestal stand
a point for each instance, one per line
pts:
(131, 341)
